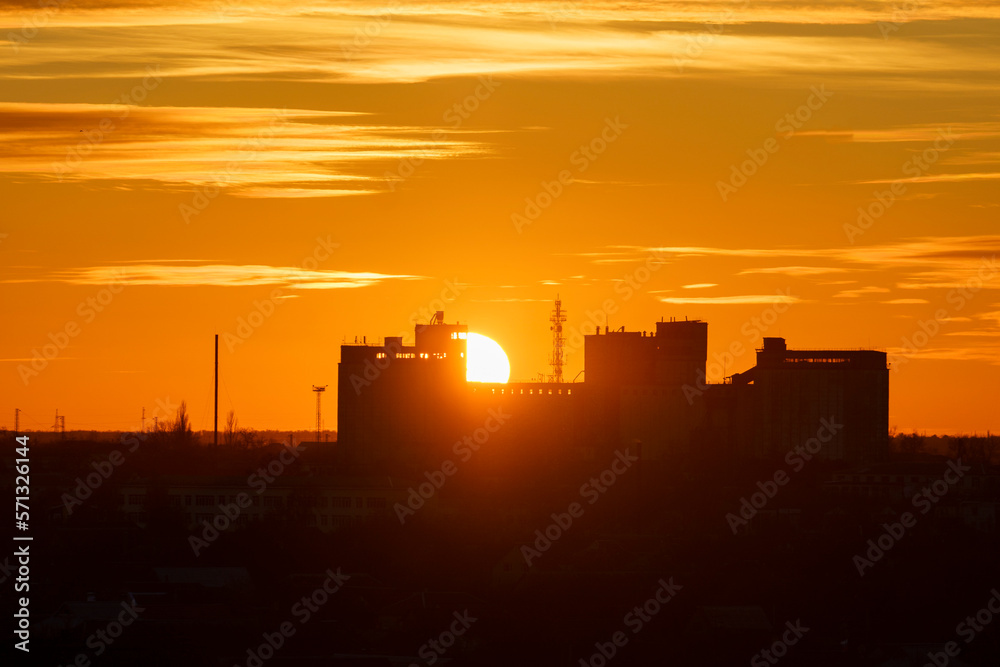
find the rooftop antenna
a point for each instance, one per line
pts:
(558, 342)
(319, 420)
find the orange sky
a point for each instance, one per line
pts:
(169, 168)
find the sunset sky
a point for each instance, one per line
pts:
(170, 168)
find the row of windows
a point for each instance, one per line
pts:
(883, 491)
(175, 500)
(327, 520)
(516, 391)
(323, 520)
(883, 478)
(343, 502)
(242, 520)
(412, 355)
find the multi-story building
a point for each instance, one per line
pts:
(402, 403)
(790, 392)
(327, 503)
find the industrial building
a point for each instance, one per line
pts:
(406, 404)
(790, 391)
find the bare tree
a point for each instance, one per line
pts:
(911, 443)
(181, 427)
(251, 438)
(241, 437)
(232, 429)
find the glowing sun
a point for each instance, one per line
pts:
(486, 360)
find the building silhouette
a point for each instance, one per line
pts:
(397, 401)
(791, 390)
(641, 389)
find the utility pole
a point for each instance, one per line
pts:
(17, 422)
(215, 438)
(144, 419)
(319, 420)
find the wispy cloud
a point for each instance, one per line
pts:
(986, 333)
(217, 275)
(861, 291)
(511, 300)
(246, 152)
(986, 353)
(731, 300)
(425, 40)
(941, 252)
(794, 270)
(940, 178)
(921, 134)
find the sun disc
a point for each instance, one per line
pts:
(485, 360)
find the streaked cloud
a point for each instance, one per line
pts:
(987, 333)
(794, 270)
(732, 300)
(941, 178)
(922, 134)
(991, 316)
(511, 300)
(418, 41)
(216, 275)
(861, 291)
(243, 151)
(940, 251)
(985, 353)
